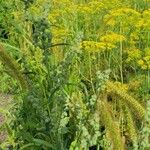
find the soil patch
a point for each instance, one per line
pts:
(5, 103)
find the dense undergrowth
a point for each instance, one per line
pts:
(79, 72)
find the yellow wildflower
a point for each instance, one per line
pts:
(141, 62)
(123, 15)
(133, 54)
(34, 10)
(146, 14)
(113, 38)
(144, 67)
(93, 46)
(147, 58)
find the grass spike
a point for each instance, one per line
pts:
(14, 67)
(110, 126)
(130, 125)
(137, 107)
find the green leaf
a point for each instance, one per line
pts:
(42, 142)
(26, 146)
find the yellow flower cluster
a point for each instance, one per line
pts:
(92, 46)
(112, 38)
(141, 57)
(144, 21)
(62, 2)
(96, 5)
(53, 17)
(60, 34)
(122, 15)
(133, 54)
(133, 38)
(107, 42)
(123, 11)
(84, 9)
(144, 62)
(91, 7)
(59, 9)
(146, 14)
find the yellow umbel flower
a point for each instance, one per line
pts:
(146, 13)
(144, 67)
(92, 46)
(147, 58)
(144, 62)
(133, 54)
(124, 15)
(84, 9)
(141, 62)
(112, 38)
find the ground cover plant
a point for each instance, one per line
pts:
(78, 72)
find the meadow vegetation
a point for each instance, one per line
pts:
(78, 72)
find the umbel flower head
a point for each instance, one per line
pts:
(112, 38)
(125, 16)
(144, 62)
(92, 46)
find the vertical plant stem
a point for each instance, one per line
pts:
(121, 48)
(90, 71)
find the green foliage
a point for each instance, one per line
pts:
(83, 70)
